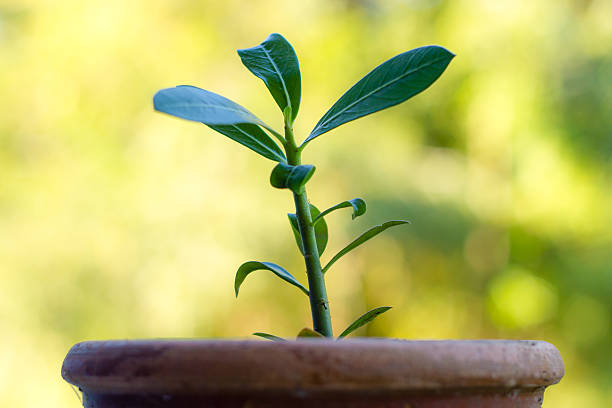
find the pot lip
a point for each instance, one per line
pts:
(367, 365)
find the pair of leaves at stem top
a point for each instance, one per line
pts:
(274, 61)
(307, 332)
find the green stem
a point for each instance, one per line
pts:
(319, 304)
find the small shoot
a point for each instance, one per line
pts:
(269, 336)
(363, 320)
(359, 208)
(307, 332)
(366, 236)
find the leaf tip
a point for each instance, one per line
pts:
(274, 35)
(156, 99)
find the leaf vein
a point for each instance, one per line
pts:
(279, 76)
(254, 139)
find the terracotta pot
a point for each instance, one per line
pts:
(313, 373)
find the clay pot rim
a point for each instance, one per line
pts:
(312, 366)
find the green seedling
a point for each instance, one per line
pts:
(274, 61)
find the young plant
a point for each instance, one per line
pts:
(274, 61)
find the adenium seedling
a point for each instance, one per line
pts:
(274, 61)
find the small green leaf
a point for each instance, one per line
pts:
(359, 208)
(363, 320)
(321, 232)
(269, 336)
(307, 332)
(253, 137)
(291, 177)
(275, 62)
(295, 228)
(248, 267)
(369, 234)
(389, 84)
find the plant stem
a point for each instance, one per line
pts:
(319, 304)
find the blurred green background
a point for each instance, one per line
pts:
(119, 222)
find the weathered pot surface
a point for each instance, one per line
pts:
(372, 373)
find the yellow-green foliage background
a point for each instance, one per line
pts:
(119, 222)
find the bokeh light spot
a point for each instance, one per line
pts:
(519, 299)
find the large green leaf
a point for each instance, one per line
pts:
(321, 232)
(359, 208)
(269, 336)
(222, 115)
(253, 137)
(366, 236)
(363, 320)
(275, 62)
(291, 177)
(251, 266)
(192, 103)
(392, 82)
